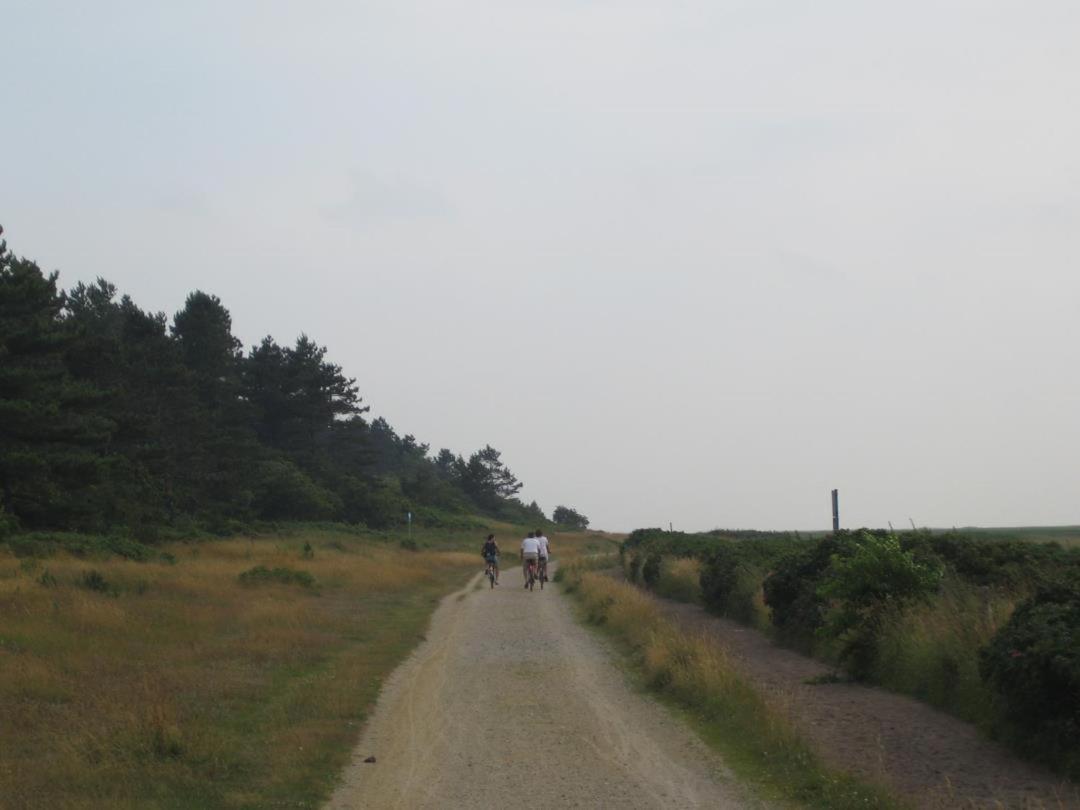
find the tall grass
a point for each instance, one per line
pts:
(174, 685)
(750, 729)
(680, 579)
(932, 651)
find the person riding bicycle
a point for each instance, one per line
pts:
(490, 551)
(530, 553)
(544, 553)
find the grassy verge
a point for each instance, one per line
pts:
(693, 673)
(176, 683)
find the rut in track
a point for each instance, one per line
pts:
(510, 702)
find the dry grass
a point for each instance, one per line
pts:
(752, 730)
(680, 579)
(932, 652)
(179, 687)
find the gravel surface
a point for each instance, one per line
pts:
(932, 758)
(508, 702)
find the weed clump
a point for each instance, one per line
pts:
(93, 580)
(261, 575)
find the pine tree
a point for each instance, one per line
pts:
(50, 441)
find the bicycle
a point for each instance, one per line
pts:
(489, 572)
(530, 576)
(542, 572)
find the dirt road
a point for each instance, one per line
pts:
(481, 716)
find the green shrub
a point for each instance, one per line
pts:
(285, 492)
(261, 575)
(47, 544)
(93, 580)
(791, 592)
(47, 580)
(868, 582)
(994, 562)
(9, 524)
(650, 569)
(1033, 666)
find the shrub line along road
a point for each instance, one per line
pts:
(510, 701)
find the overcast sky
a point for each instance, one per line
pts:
(679, 261)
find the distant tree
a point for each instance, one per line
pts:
(297, 396)
(228, 446)
(446, 463)
(536, 513)
(204, 330)
(153, 455)
(486, 479)
(570, 518)
(110, 417)
(50, 436)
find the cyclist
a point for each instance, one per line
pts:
(530, 553)
(491, 554)
(543, 554)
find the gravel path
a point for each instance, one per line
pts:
(931, 757)
(481, 717)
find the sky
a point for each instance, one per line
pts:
(694, 263)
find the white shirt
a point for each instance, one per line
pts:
(530, 545)
(543, 541)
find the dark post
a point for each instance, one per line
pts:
(836, 510)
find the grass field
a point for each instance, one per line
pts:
(178, 685)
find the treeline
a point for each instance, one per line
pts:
(113, 417)
(988, 629)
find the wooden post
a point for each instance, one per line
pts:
(836, 510)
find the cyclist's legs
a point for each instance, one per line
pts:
(525, 562)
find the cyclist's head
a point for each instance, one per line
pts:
(491, 537)
(530, 534)
(538, 533)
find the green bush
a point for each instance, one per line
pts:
(285, 492)
(870, 579)
(797, 609)
(732, 576)
(9, 524)
(1033, 666)
(650, 569)
(994, 562)
(47, 544)
(94, 581)
(261, 575)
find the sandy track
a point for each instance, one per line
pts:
(478, 709)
